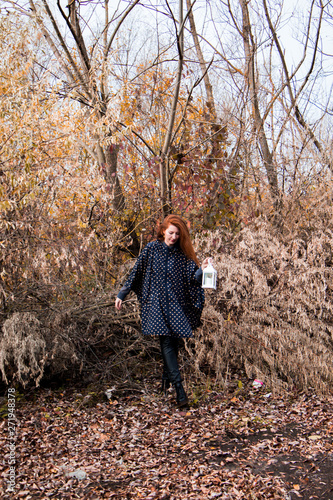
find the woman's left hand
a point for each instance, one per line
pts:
(205, 263)
(118, 304)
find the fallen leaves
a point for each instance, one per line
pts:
(229, 448)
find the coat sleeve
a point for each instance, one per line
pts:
(195, 293)
(198, 275)
(136, 278)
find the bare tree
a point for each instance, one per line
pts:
(288, 77)
(79, 73)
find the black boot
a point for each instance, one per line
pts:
(169, 349)
(182, 399)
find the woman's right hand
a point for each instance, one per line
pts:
(205, 263)
(118, 304)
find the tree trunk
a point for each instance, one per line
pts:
(203, 66)
(250, 51)
(165, 188)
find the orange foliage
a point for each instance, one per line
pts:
(198, 160)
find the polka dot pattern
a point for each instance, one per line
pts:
(170, 296)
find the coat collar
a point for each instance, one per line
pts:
(174, 248)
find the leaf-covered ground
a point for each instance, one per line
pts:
(242, 445)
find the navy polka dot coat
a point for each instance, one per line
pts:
(168, 288)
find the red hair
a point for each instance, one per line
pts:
(185, 242)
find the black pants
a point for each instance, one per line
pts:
(169, 350)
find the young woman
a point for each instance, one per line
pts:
(167, 281)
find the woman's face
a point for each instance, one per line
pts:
(171, 235)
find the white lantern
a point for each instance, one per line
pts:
(209, 276)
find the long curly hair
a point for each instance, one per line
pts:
(185, 242)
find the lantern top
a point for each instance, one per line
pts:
(210, 267)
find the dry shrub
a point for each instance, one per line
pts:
(62, 353)
(22, 348)
(272, 312)
(27, 348)
(270, 317)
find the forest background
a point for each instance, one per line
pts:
(114, 114)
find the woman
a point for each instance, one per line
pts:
(167, 280)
